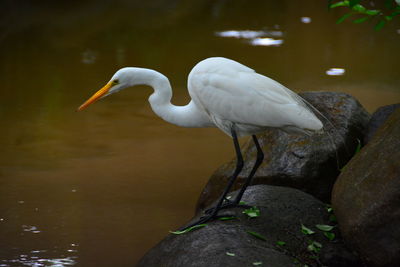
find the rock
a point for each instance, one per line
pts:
(366, 197)
(377, 119)
(283, 211)
(307, 163)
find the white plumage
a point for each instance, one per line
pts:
(224, 94)
(227, 95)
(233, 94)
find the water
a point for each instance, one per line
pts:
(100, 187)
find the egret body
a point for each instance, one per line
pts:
(227, 95)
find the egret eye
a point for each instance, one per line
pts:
(114, 82)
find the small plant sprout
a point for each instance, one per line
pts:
(257, 263)
(306, 230)
(329, 235)
(281, 243)
(188, 229)
(259, 236)
(230, 254)
(329, 208)
(252, 212)
(324, 227)
(314, 246)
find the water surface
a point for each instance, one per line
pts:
(100, 187)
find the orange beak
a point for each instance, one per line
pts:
(96, 96)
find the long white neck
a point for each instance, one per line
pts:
(160, 101)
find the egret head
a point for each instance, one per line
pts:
(120, 80)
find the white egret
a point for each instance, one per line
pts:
(227, 95)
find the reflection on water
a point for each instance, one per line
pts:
(30, 228)
(254, 37)
(266, 42)
(115, 178)
(305, 19)
(38, 258)
(37, 261)
(335, 71)
(248, 34)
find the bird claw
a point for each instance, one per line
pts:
(205, 219)
(202, 220)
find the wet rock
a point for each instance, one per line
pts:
(366, 197)
(228, 243)
(377, 119)
(307, 163)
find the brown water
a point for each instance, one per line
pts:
(100, 187)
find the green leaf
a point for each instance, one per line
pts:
(314, 246)
(188, 229)
(359, 8)
(306, 231)
(342, 18)
(353, 2)
(230, 254)
(329, 208)
(372, 12)
(396, 13)
(380, 25)
(361, 20)
(281, 243)
(329, 235)
(252, 212)
(341, 3)
(324, 227)
(227, 218)
(259, 236)
(332, 218)
(257, 263)
(242, 203)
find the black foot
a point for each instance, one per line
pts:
(202, 220)
(227, 205)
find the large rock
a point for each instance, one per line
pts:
(366, 197)
(377, 119)
(283, 211)
(307, 163)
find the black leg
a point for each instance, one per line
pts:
(239, 166)
(238, 169)
(259, 159)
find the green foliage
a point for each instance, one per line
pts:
(357, 9)
(257, 263)
(324, 227)
(329, 235)
(358, 148)
(306, 231)
(259, 236)
(252, 212)
(230, 254)
(188, 229)
(281, 243)
(314, 246)
(329, 208)
(326, 230)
